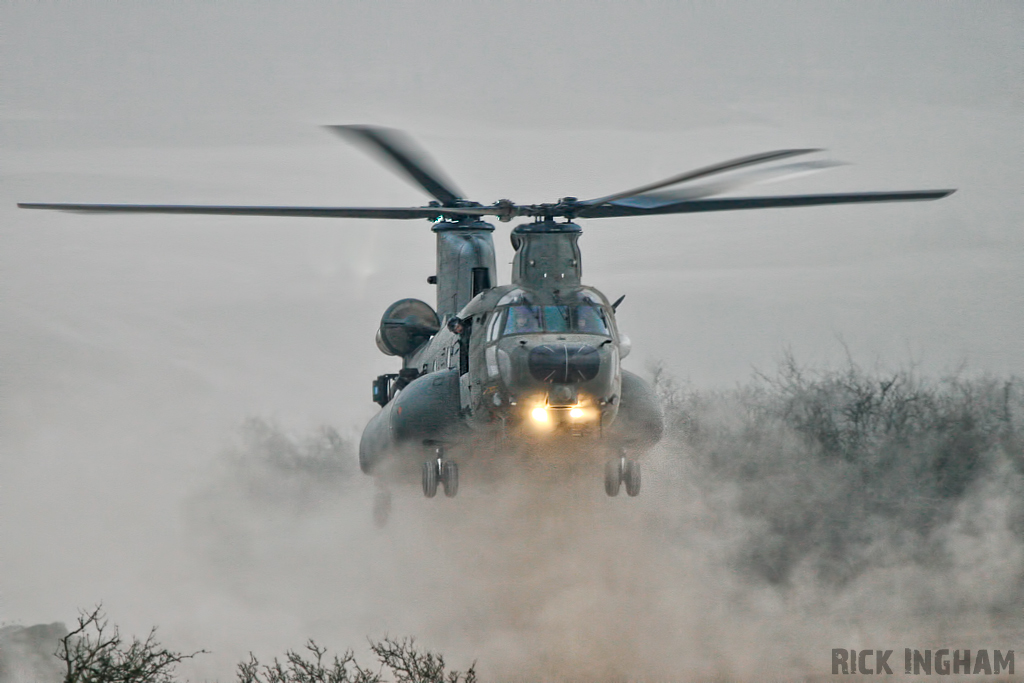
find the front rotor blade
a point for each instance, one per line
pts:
(747, 177)
(739, 203)
(398, 149)
(296, 211)
(764, 157)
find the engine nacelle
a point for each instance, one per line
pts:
(405, 326)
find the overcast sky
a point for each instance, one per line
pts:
(133, 346)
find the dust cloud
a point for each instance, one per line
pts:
(795, 514)
(26, 653)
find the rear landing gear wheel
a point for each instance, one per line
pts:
(450, 478)
(631, 477)
(430, 475)
(613, 476)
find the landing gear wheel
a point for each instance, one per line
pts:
(450, 478)
(430, 475)
(612, 476)
(631, 477)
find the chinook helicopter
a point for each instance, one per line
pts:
(533, 367)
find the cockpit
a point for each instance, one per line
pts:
(581, 319)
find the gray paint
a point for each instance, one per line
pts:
(461, 248)
(547, 254)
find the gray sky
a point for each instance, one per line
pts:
(134, 346)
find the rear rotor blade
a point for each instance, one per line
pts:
(764, 157)
(739, 203)
(400, 151)
(295, 211)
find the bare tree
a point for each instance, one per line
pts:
(309, 669)
(406, 663)
(409, 665)
(94, 652)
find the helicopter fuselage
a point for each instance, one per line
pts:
(534, 364)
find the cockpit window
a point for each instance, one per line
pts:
(524, 319)
(585, 319)
(494, 325)
(590, 319)
(556, 318)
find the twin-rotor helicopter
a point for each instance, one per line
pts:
(529, 372)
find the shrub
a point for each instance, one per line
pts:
(845, 469)
(406, 663)
(95, 653)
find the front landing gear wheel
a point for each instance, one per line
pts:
(613, 476)
(430, 475)
(631, 477)
(450, 478)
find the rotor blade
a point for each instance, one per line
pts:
(738, 203)
(747, 177)
(398, 149)
(295, 211)
(702, 173)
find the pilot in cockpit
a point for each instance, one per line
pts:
(523, 320)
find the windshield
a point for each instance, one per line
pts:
(584, 319)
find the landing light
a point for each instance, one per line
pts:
(540, 414)
(576, 413)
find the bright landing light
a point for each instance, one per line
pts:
(540, 414)
(576, 413)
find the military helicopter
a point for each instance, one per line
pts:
(533, 367)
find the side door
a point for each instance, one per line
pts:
(458, 357)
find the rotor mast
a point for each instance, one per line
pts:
(547, 253)
(465, 263)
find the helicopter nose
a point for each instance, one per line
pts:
(564, 363)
